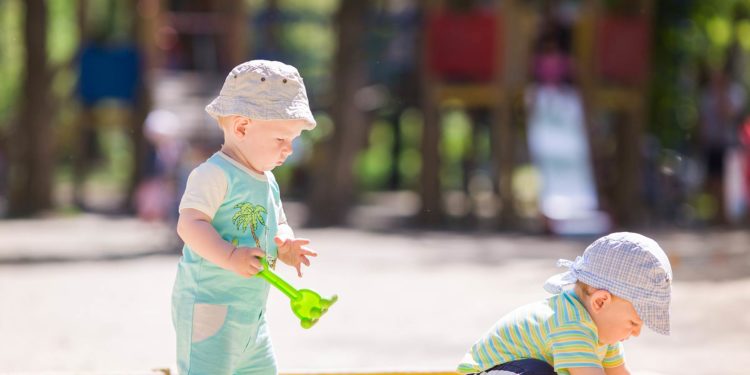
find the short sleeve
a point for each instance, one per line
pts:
(205, 189)
(615, 356)
(574, 346)
(280, 215)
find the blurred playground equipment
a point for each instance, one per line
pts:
(437, 99)
(481, 59)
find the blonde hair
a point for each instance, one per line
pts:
(582, 288)
(224, 121)
(586, 290)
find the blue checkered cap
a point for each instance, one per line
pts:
(263, 90)
(630, 266)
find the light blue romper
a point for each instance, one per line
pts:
(219, 316)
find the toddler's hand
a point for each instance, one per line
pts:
(245, 261)
(294, 252)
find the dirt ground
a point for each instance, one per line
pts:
(92, 294)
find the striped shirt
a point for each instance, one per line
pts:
(557, 330)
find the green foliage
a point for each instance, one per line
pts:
(373, 164)
(308, 39)
(743, 34)
(455, 142)
(319, 7)
(116, 153)
(11, 57)
(303, 150)
(255, 5)
(310, 45)
(456, 138)
(410, 160)
(313, 38)
(689, 37)
(323, 129)
(62, 33)
(283, 174)
(411, 126)
(409, 166)
(110, 20)
(526, 187)
(62, 43)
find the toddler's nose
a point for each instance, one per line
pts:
(287, 152)
(287, 149)
(636, 331)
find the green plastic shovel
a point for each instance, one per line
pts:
(306, 304)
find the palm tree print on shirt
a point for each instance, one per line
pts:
(250, 215)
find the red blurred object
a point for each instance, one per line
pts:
(745, 138)
(622, 49)
(461, 46)
(745, 132)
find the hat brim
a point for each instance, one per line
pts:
(654, 317)
(261, 110)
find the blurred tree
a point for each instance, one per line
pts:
(688, 34)
(117, 38)
(333, 189)
(690, 37)
(141, 31)
(31, 152)
(269, 31)
(431, 210)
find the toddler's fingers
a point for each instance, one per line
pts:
(249, 271)
(305, 261)
(301, 241)
(257, 253)
(254, 264)
(278, 241)
(308, 251)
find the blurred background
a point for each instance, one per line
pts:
(493, 136)
(525, 115)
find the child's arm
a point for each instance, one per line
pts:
(586, 371)
(619, 370)
(293, 251)
(194, 227)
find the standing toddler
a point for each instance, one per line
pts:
(230, 216)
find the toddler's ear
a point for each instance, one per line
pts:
(239, 125)
(599, 300)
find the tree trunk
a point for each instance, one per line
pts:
(141, 32)
(333, 192)
(270, 32)
(31, 161)
(514, 59)
(430, 189)
(237, 33)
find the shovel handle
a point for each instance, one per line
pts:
(277, 281)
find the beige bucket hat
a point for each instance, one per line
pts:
(263, 90)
